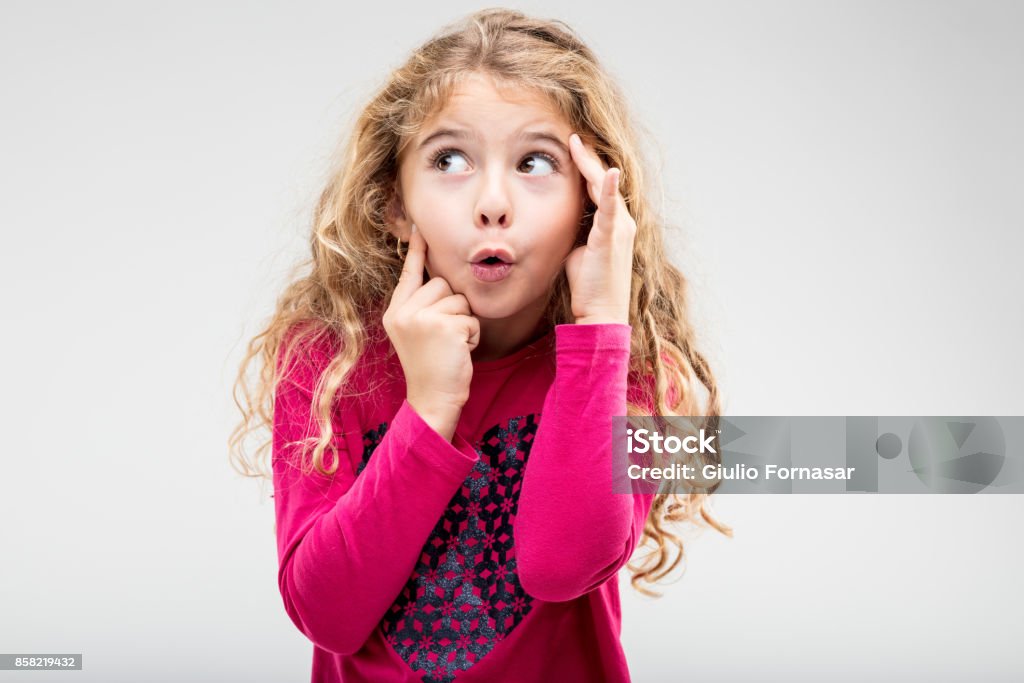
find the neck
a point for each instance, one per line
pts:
(500, 337)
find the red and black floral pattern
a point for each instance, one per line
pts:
(464, 594)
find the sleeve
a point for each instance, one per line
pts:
(572, 531)
(347, 545)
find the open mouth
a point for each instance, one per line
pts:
(493, 256)
(491, 269)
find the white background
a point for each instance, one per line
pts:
(845, 179)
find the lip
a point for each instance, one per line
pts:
(491, 273)
(504, 254)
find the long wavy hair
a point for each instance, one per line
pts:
(344, 288)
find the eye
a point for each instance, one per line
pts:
(445, 156)
(545, 159)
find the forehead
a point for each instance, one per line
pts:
(479, 101)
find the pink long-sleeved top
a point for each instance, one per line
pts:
(492, 557)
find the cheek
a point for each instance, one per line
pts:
(557, 210)
(429, 215)
(442, 252)
(568, 226)
(427, 205)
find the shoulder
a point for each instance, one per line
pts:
(304, 353)
(308, 349)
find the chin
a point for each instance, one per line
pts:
(491, 311)
(492, 308)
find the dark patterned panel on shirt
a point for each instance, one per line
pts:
(464, 594)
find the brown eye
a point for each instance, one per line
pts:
(444, 160)
(539, 161)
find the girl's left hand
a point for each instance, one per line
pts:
(600, 272)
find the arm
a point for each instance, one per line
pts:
(347, 545)
(572, 532)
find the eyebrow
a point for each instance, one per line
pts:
(457, 133)
(462, 134)
(541, 135)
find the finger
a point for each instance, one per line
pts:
(608, 207)
(585, 157)
(456, 304)
(589, 164)
(411, 278)
(471, 326)
(429, 294)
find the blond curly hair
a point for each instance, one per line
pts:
(356, 260)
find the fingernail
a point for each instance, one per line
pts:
(414, 227)
(574, 135)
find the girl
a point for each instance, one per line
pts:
(488, 287)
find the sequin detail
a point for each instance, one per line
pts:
(464, 594)
(371, 439)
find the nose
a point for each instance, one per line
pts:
(494, 206)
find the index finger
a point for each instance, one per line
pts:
(411, 278)
(610, 197)
(589, 164)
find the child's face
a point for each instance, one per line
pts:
(494, 187)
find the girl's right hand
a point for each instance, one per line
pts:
(433, 332)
